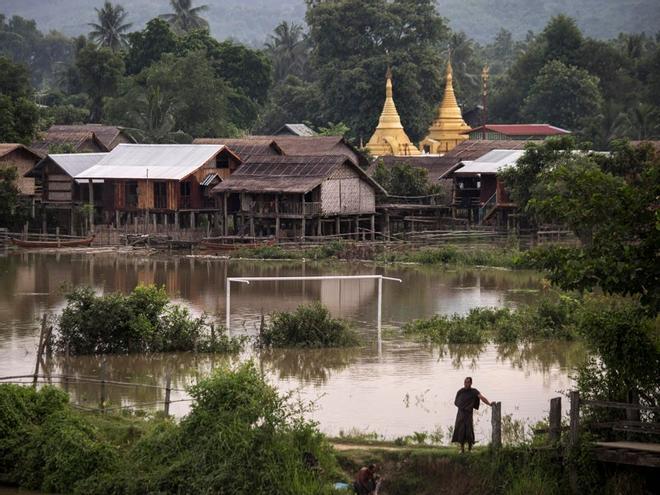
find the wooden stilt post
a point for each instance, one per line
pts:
(373, 227)
(72, 224)
(554, 421)
(319, 227)
(57, 235)
(496, 423)
(91, 206)
(338, 225)
(117, 219)
(575, 418)
(277, 216)
(302, 232)
(252, 232)
(225, 214)
(193, 222)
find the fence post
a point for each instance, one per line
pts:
(554, 422)
(102, 405)
(575, 419)
(496, 423)
(168, 390)
(40, 349)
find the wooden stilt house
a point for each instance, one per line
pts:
(298, 196)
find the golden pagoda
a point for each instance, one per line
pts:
(389, 137)
(449, 128)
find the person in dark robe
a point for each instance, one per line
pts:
(366, 481)
(467, 400)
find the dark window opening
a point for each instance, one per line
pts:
(131, 195)
(222, 161)
(160, 195)
(185, 193)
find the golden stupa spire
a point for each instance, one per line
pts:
(389, 138)
(448, 128)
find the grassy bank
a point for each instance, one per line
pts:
(442, 255)
(549, 318)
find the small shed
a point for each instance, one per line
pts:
(23, 159)
(309, 191)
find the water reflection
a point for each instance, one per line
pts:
(358, 387)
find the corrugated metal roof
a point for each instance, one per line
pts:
(208, 180)
(152, 161)
(296, 130)
(76, 163)
(289, 174)
(490, 163)
(522, 129)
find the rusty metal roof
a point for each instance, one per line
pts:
(522, 129)
(245, 148)
(286, 174)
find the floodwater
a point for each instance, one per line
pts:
(394, 389)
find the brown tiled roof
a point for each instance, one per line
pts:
(105, 133)
(245, 148)
(74, 138)
(7, 148)
(523, 129)
(285, 174)
(317, 145)
(439, 166)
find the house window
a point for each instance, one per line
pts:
(222, 161)
(160, 195)
(185, 194)
(131, 191)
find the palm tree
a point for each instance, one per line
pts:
(186, 17)
(287, 49)
(644, 122)
(153, 114)
(111, 29)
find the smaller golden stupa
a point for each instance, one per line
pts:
(389, 137)
(449, 128)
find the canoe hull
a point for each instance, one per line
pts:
(53, 244)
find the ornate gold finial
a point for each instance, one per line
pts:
(448, 128)
(389, 138)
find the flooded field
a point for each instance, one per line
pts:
(394, 389)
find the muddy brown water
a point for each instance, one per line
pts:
(401, 388)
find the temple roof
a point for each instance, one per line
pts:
(389, 138)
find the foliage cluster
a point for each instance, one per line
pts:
(142, 321)
(13, 212)
(609, 202)
(459, 255)
(240, 437)
(310, 326)
(405, 180)
(549, 318)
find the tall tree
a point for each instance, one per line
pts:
(353, 43)
(100, 71)
(110, 31)
(564, 96)
(148, 45)
(185, 17)
(19, 116)
(288, 50)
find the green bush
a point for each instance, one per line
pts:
(309, 326)
(455, 255)
(142, 321)
(549, 318)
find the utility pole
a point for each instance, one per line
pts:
(485, 75)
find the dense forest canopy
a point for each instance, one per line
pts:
(249, 20)
(173, 79)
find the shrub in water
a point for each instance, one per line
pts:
(309, 326)
(142, 321)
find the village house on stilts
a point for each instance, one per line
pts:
(297, 197)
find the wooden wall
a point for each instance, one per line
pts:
(345, 191)
(23, 162)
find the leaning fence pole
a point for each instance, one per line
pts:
(168, 390)
(40, 349)
(496, 423)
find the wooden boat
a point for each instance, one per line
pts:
(66, 243)
(212, 245)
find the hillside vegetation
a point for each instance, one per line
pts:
(249, 20)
